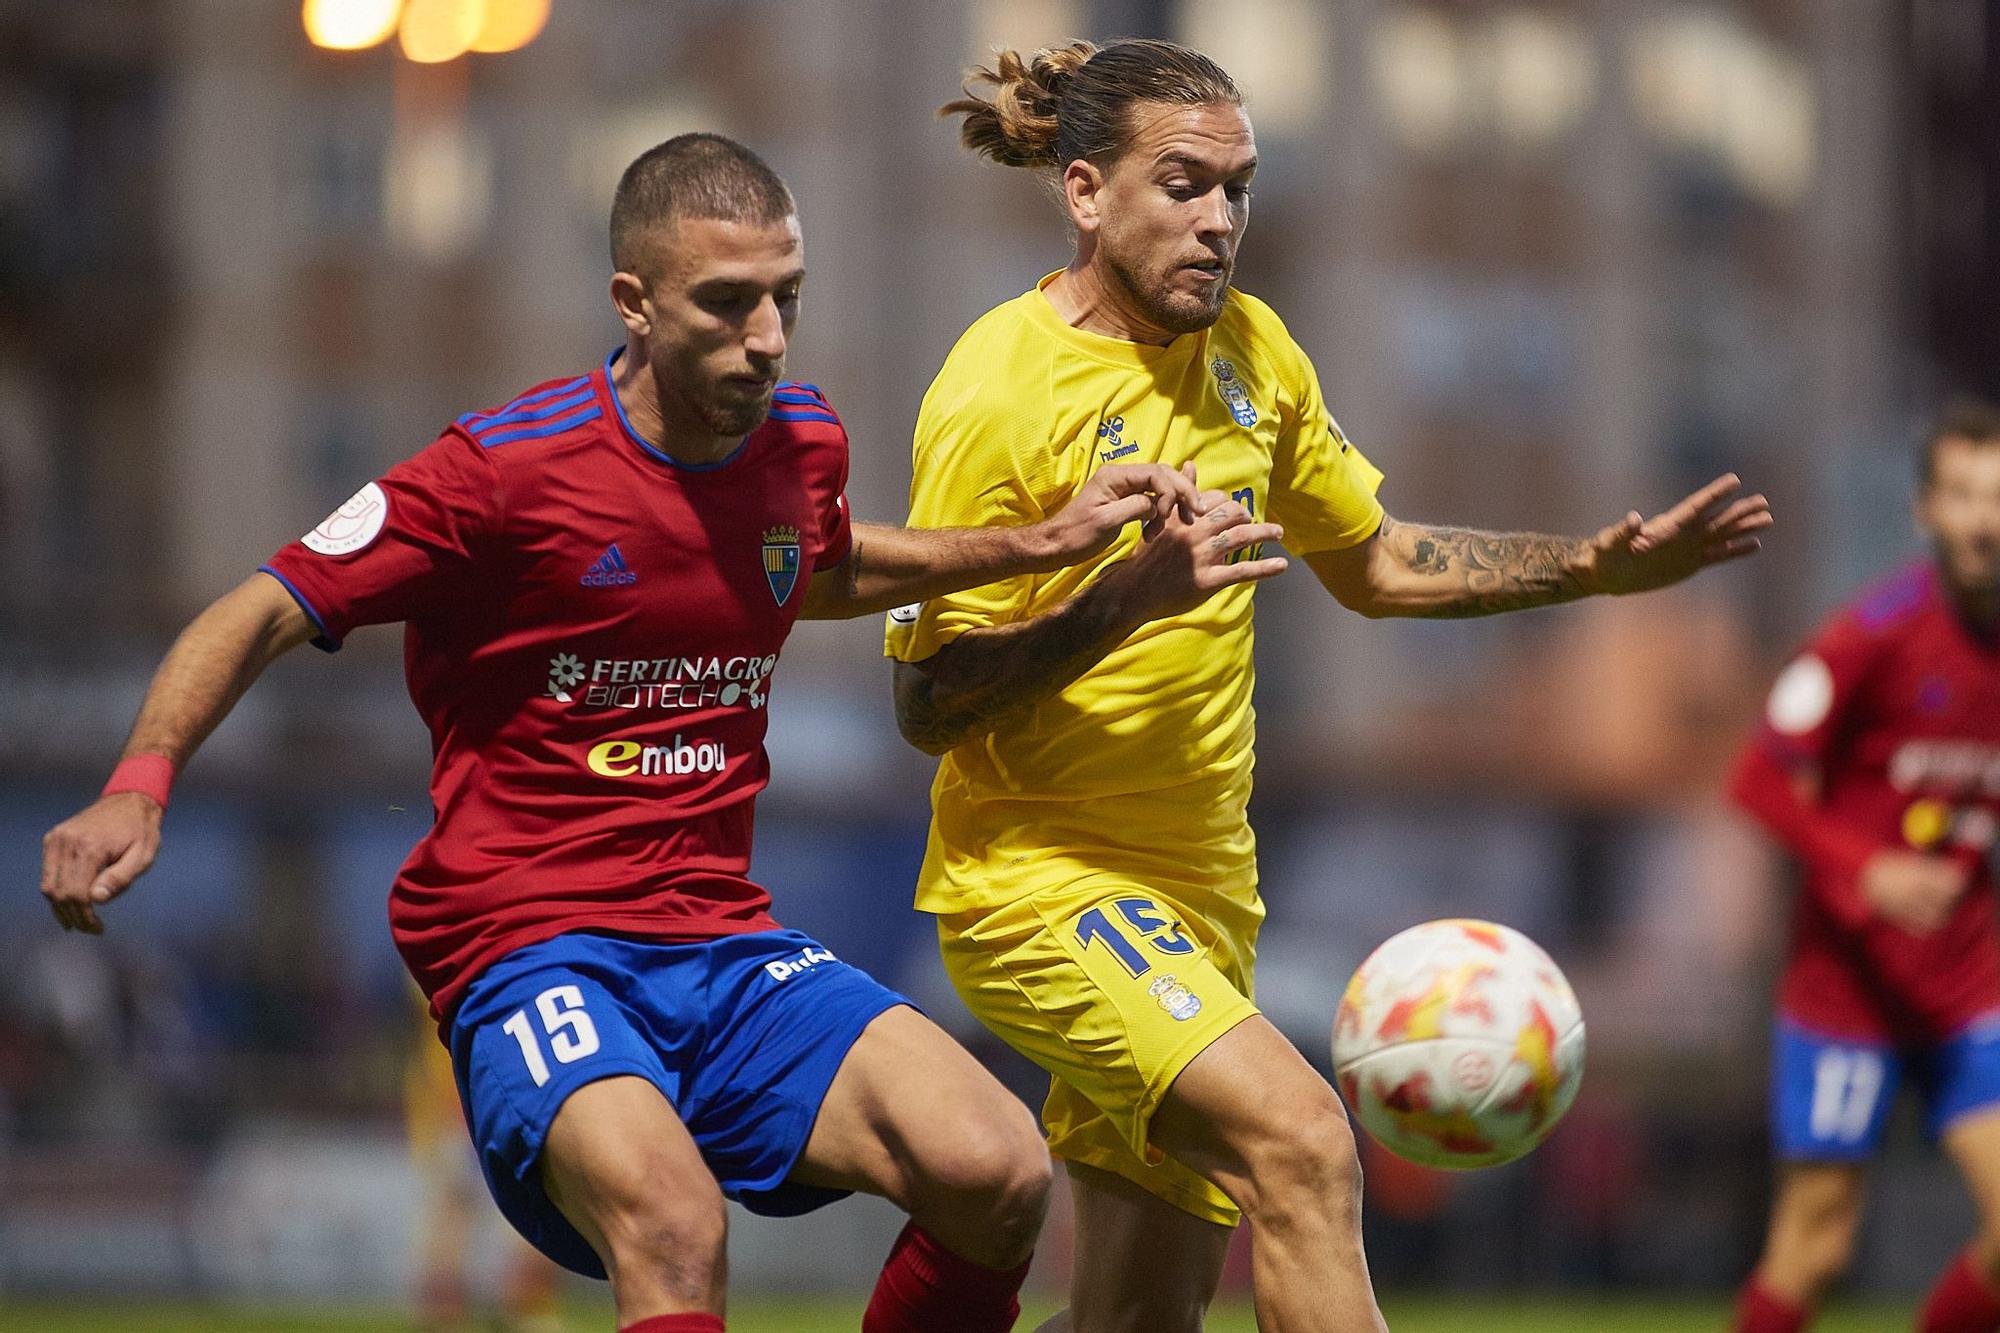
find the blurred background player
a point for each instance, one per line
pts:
(597, 579)
(1091, 862)
(1878, 767)
(451, 1207)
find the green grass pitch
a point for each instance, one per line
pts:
(1406, 1315)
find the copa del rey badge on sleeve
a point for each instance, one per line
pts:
(353, 525)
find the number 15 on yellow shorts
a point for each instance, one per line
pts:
(1112, 988)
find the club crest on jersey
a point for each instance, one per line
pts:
(1110, 447)
(1233, 392)
(1174, 997)
(781, 561)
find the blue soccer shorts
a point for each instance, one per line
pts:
(1830, 1096)
(742, 1034)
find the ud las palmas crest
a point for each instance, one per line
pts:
(781, 560)
(1233, 392)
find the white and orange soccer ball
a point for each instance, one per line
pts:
(1458, 1044)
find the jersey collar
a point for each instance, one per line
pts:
(652, 450)
(1119, 352)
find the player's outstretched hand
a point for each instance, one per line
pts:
(89, 858)
(1709, 527)
(1115, 495)
(1915, 890)
(1189, 559)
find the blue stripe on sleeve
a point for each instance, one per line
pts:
(541, 428)
(325, 641)
(527, 400)
(539, 413)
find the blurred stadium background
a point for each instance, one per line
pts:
(1552, 259)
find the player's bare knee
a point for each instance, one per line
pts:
(676, 1243)
(1828, 1255)
(1816, 1248)
(1303, 1156)
(1021, 1199)
(986, 1194)
(1006, 1172)
(654, 1220)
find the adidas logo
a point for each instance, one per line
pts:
(609, 572)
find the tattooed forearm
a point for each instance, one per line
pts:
(855, 560)
(987, 678)
(1466, 573)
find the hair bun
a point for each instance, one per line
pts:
(1019, 126)
(1075, 101)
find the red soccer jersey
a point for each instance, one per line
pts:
(1896, 706)
(591, 631)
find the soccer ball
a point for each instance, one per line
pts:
(1458, 1044)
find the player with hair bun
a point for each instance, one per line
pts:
(1090, 862)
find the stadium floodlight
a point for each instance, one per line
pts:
(429, 31)
(510, 25)
(350, 25)
(434, 31)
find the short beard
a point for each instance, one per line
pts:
(734, 419)
(717, 417)
(1175, 316)
(1970, 577)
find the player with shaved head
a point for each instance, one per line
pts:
(597, 579)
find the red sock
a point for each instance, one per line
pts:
(677, 1323)
(925, 1288)
(1961, 1302)
(1759, 1311)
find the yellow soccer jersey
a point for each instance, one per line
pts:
(1141, 765)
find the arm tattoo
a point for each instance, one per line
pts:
(987, 678)
(853, 564)
(1485, 573)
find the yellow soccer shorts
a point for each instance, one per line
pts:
(1113, 986)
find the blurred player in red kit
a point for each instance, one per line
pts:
(597, 579)
(1878, 767)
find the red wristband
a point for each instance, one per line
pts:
(148, 774)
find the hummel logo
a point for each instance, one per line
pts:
(609, 571)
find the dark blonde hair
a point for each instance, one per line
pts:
(1074, 101)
